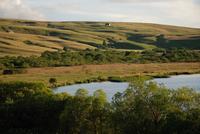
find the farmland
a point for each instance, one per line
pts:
(25, 38)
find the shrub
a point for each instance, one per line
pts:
(8, 72)
(53, 81)
(14, 71)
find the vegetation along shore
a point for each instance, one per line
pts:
(89, 73)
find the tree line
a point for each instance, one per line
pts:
(98, 56)
(144, 108)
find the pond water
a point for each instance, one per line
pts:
(110, 88)
(191, 81)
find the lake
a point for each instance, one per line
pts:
(191, 81)
(109, 87)
(174, 82)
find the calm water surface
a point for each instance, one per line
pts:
(110, 88)
(191, 81)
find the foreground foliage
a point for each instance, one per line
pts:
(144, 108)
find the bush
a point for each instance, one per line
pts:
(53, 81)
(71, 58)
(8, 72)
(14, 71)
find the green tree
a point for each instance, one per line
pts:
(98, 114)
(81, 93)
(105, 44)
(65, 48)
(75, 118)
(161, 40)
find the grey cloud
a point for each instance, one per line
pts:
(142, 1)
(18, 9)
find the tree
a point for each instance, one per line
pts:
(26, 107)
(144, 108)
(161, 40)
(100, 58)
(100, 96)
(75, 117)
(105, 44)
(81, 93)
(98, 113)
(65, 48)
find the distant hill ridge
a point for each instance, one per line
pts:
(22, 37)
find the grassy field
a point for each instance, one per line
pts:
(86, 72)
(19, 37)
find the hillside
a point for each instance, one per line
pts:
(20, 37)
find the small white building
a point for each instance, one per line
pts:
(108, 24)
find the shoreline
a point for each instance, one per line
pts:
(98, 73)
(126, 79)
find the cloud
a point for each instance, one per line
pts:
(185, 12)
(141, 1)
(18, 9)
(174, 12)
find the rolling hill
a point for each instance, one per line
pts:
(22, 37)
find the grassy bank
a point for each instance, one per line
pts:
(89, 73)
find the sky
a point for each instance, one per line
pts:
(171, 12)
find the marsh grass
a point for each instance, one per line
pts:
(95, 73)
